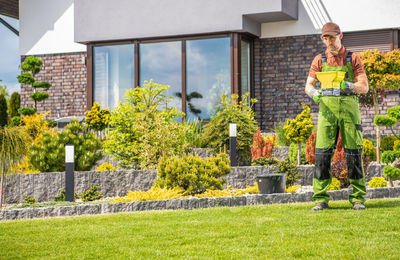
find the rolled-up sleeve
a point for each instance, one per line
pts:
(316, 66)
(357, 65)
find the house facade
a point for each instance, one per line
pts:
(93, 51)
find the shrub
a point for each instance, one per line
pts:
(30, 200)
(92, 194)
(229, 191)
(265, 161)
(106, 167)
(30, 67)
(262, 147)
(281, 135)
(97, 118)
(3, 111)
(377, 182)
(335, 184)
(144, 130)
(61, 196)
(27, 111)
(396, 145)
(286, 166)
(390, 156)
(292, 189)
(310, 148)
(216, 132)
(15, 104)
(192, 173)
(391, 172)
(387, 143)
(155, 193)
(299, 129)
(368, 150)
(49, 154)
(193, 134)
(293, 150)
(15, 121)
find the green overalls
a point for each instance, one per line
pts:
(338, 112)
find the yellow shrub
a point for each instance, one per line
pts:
(272, 139)
(377, 182)
(154, 193)
(35, 126)
(106, 167)
(292, 189)
(335, 184)
(23, 167)
(229, 191)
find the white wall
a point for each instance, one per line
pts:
(46, 27)
(351, 15)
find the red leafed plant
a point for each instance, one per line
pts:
(339, 166)
(310, 148)
(262, 147)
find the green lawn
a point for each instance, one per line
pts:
(263, 232)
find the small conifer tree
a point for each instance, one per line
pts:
(15, 104)
(3, 111)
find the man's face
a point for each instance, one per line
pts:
(332, 43)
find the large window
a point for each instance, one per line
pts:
(198, 70)
(113, 69)
(208, 76)
(162, 63)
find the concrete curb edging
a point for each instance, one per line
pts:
(191, 203)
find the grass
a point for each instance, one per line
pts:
(252, 232)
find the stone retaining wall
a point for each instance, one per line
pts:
(46, 186)
(191, 203)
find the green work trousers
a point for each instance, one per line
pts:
(339, 114)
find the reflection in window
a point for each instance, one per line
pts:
(208, 76)
(113, 73)
(245, 68)
(162, 63)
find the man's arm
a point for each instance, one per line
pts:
(310, 85)
(361, 84)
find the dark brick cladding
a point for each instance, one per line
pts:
(67, 74)
(281, 69)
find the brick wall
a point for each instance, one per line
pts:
(67, 75)
(281, 70)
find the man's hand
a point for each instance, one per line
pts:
(346, 86)
(315, 95)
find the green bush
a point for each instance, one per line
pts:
(15, 121)
(144, 129)
(387, 143)
(390, 156)
(286, 166)
(49, 154)
(192, 173)
(281, 135)
(92, 194)
(216, 132)
(15, 104)
(391, 172)
(262, 161)
(3, 111)
(61, 196)
(335, 184)
(27, 111)
(368, 149)
(377, 182)
(293, 149)
(30, 200)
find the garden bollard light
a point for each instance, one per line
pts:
(69, 172)
(232, 143)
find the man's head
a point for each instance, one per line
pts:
(332, 36)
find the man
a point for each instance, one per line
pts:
(338, 111)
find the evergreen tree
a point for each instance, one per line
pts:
(3, 111)
(15, 103)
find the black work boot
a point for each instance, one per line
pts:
(358, 205)
(320, 206)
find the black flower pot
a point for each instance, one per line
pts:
(271, 183)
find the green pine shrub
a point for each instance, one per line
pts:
(390, 156)
(61, 196)
(262, 161)
(27, 111)
(92, 194)
(3, 111)
(377, 182)
(15, 104)
(293, 149)
(144, 129)
(387, 143)
(49, 154)
(279, 131)
(15, 121)
(286, 166)
(30, 200)
(192, 173)
(216, 132)
(335, 184)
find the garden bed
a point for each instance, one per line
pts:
(190, 203)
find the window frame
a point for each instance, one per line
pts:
(235, 66)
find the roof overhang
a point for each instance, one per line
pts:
(105, 20)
